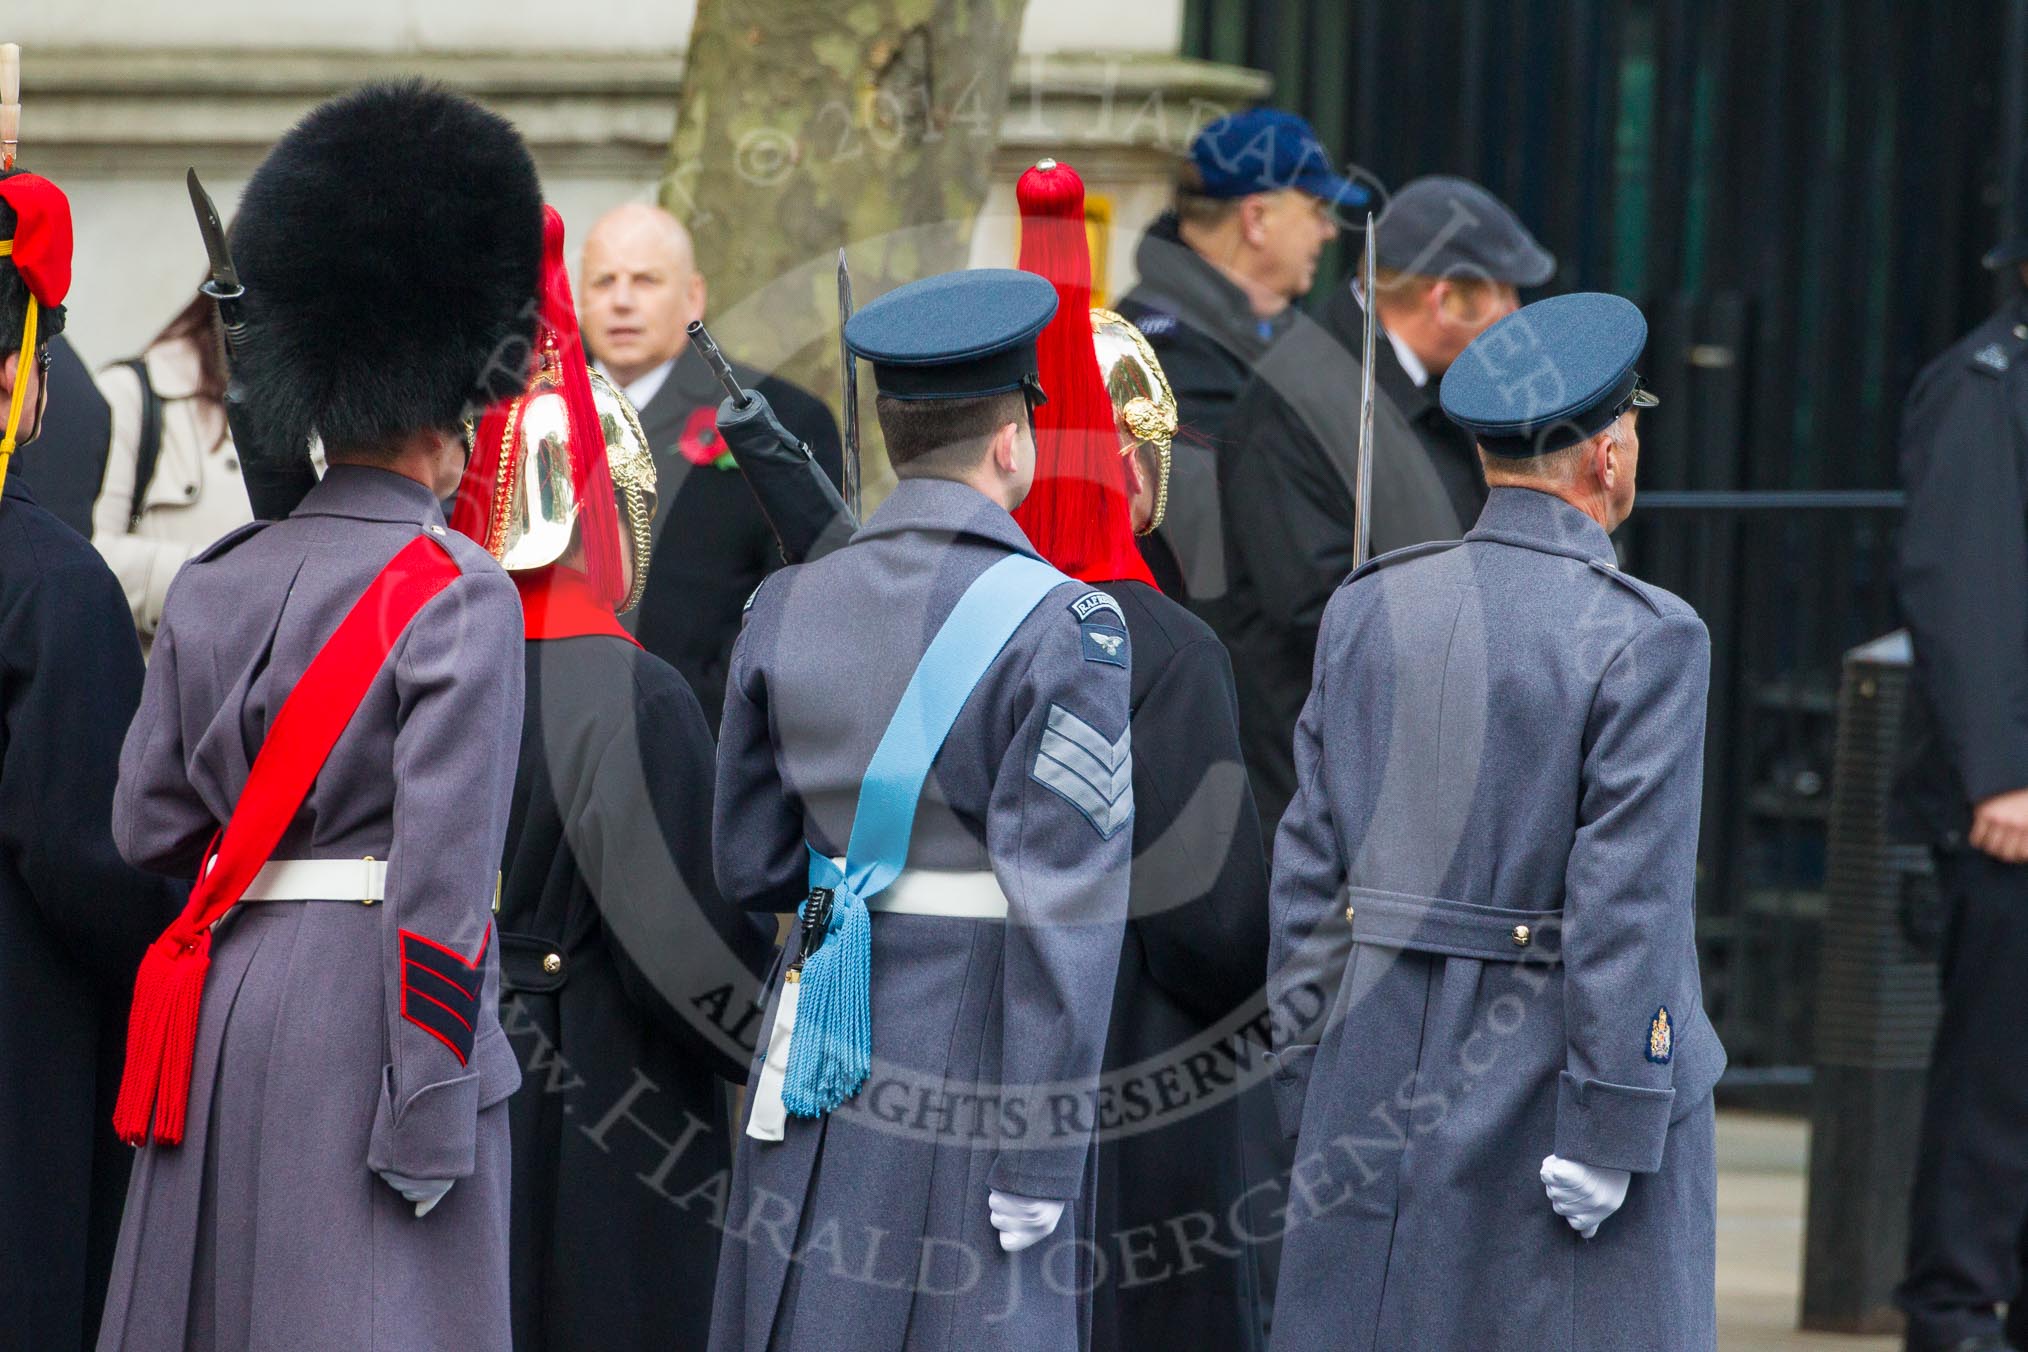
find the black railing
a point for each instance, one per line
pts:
(1786, 582)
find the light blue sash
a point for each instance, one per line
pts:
(831, 1050)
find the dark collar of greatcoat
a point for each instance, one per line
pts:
(1533, 520)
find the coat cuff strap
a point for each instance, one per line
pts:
(1031, 1178)
(431, 1135)
(1612, 1126)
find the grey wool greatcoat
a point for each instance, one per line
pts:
(269, 1227)
(867, 1230)
(1482, 953)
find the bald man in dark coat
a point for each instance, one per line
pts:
(641, 288)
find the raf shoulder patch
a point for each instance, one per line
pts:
(1088, 770)
(1661, 1037)
(1102, 628)
(1992, 356)
(1094, 602)
(1103, 643)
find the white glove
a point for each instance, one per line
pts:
(1022, 1221)
(1583, 1195)
(424, 1192)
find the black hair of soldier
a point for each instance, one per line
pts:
(14, 294)
(391, 246)
(939, 438)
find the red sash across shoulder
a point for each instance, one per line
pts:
(162, 1032)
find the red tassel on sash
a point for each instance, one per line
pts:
(162, 1037)
(169, 990)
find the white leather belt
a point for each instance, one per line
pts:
(361, 880)
(960, 895)
(972, 895)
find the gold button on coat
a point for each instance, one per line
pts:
(553, 963)
(1521, 936)
(1348, 915)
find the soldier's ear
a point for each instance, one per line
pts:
(1005, 448)
(1605, 458)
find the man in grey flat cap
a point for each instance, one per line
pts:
(1452, 260)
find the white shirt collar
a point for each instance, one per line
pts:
(642, 390)
(1403, 353)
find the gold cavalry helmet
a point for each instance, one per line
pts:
(1141, 397)
(534, 510)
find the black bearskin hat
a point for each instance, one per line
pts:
(390, 246)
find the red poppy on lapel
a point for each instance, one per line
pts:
(699, 441)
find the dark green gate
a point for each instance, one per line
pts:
(1798, 194)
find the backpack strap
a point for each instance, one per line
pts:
(148, 449)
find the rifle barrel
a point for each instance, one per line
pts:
(720, 367)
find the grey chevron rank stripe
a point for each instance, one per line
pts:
(1096, 776)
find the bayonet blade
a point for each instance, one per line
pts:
(223, 274)
(849, 370)
(1362, 509)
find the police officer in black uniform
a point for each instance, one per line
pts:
(1964, 593)
(1220, 275)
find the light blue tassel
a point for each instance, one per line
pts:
(831, 1050)
(831, 1046)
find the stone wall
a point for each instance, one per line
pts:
(121, 96)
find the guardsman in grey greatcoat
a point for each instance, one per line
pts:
(1492, 1049)
(316, 1073)
(929, 724)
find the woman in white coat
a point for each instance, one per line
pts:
(145, 523)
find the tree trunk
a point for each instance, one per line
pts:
(804, 125)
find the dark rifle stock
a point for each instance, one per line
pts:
(803, 507)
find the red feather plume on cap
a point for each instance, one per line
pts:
(591, 479)
(1077, 515)
(42, 235)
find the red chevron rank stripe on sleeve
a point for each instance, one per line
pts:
(440, 990)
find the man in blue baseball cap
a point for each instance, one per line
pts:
(1220, 273)
(1488, 872)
